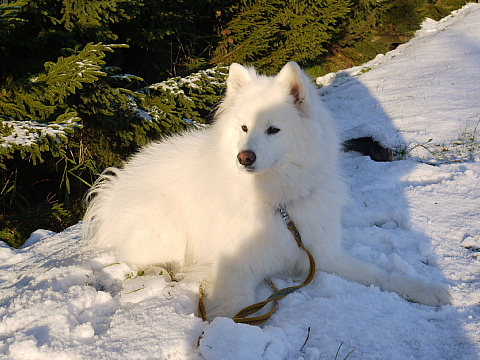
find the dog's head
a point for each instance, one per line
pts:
(269, 119)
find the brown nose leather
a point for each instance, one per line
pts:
(246, 158)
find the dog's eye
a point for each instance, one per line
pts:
(272, 130)
(244, 128)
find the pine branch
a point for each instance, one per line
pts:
(37, 116)
(177, 102)
(8, 14)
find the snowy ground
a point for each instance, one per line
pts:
(60, 302)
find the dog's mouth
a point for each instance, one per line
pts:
(254, 169)
(249, 169)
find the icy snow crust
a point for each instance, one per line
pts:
(59, 301)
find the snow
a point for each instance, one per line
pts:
(192, 81)
(59, 301)
(29, 133)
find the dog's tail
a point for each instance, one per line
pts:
(95, 218)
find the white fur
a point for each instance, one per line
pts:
(187, 202)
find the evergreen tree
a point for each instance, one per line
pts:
(67, 123)
(268, 33)
(43, 30)
(165, 38)
(65, 114)
(170, 38)
(40, 125)
(187, 100)
(37, 114)
(68, 119)
(369, 18)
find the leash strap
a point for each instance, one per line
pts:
(242, 315)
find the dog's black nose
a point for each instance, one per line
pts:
(246, 158)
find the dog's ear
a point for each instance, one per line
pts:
(295, 79)
(237, 77)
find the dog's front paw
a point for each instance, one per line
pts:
(226, 304)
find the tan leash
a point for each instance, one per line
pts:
(242, 316)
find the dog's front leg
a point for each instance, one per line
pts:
(231, 290)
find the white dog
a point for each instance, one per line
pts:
(205, 201)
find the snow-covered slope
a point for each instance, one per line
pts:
(425, 90)
(61, 302)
